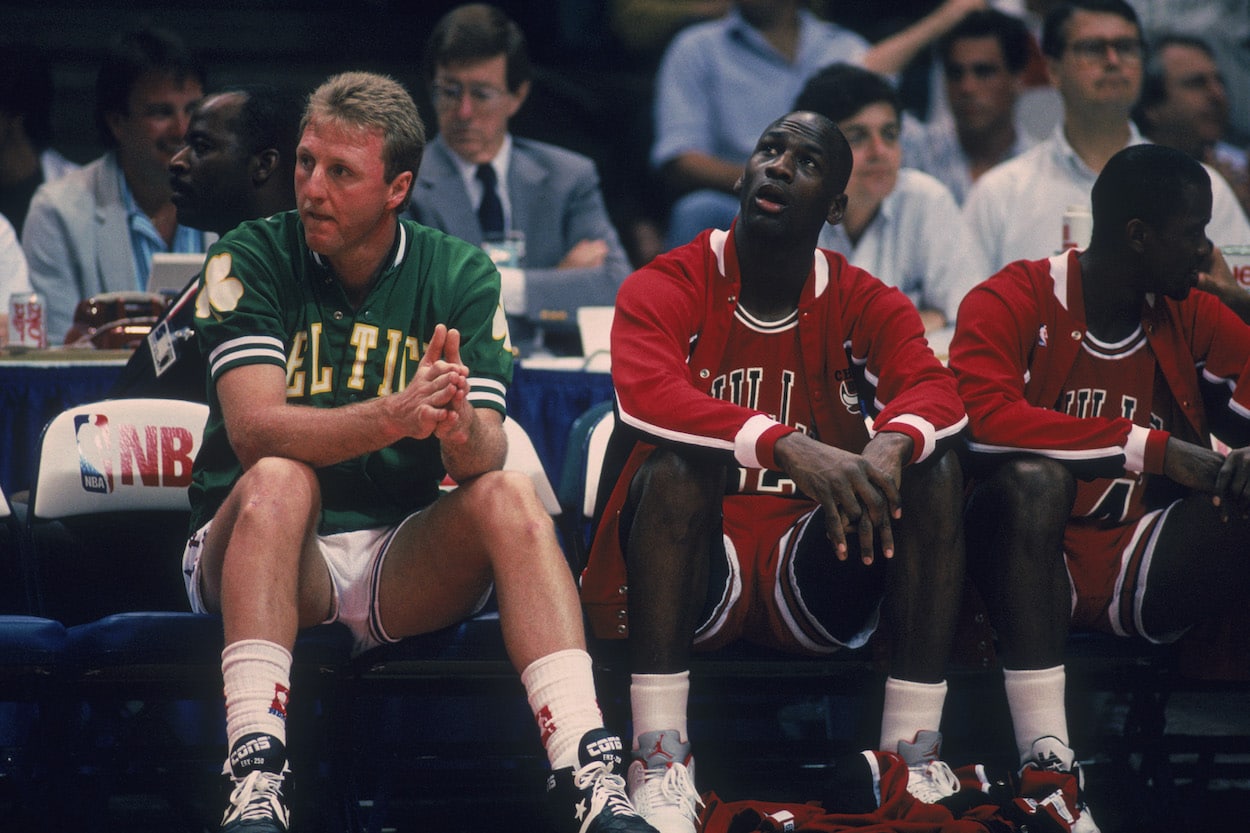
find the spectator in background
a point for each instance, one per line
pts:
(1094, 53)
(95, 229)
(721, 82)
(13, 277)
(478, 69)
(901, 225)
(1225, 26)
(644, 27)
(1184, 105)
(237, 161)
(983, 61)
(237, 164)
(27, 159)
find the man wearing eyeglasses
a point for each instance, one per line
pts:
(1094, 55)
(538, 208)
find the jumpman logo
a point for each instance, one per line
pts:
(659, 748)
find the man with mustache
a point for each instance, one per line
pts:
(758, 505)
(95, 229)
(1093, 381)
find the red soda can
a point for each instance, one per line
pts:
(27, 321)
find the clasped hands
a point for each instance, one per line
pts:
(436, 401)
(859, 492)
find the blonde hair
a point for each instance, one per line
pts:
(371, 101)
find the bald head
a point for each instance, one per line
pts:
(837, 150)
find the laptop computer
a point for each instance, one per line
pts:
(171, 271)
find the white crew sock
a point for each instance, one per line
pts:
(561, 692)
(1035, 698)
(910, 707)
(658, 703)
(257, 679)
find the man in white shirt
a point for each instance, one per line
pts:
(983, 65)
(1094, 53)
(1184, 104)
(900, 224)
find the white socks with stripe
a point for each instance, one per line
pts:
(257, 678)
(561, 692)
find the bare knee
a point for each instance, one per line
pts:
(1032, 487)
(279, 490)
(933, 495)
(264, 522)
(507, 501)
(672, 491)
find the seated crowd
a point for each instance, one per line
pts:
(801, 469)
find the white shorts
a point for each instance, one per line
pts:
(354, 560)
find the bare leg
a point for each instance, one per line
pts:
(924, 581)
(1198, 568)
(674, 509)
(1016, 520)
(259, 566)
(493, 528)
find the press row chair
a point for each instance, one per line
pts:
(579, 490)
(107, 522)
(33, 654)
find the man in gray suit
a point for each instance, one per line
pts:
(482, 184)
(95, 229)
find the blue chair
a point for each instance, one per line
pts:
(33, 656)
(107, 522)
(579, 489)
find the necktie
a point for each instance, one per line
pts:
(490, 210)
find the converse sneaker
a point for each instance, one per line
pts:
(661, 783)
(1049, 756)
(258, 770)
(591, 798)
(928, 779)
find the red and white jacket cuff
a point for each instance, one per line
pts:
(756, 440)
(1144, 450)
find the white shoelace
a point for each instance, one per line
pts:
(608, 790)
(256, 797)
(676, 788)
(932, 782)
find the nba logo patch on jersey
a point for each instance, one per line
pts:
(1043, 336)
(91, 435)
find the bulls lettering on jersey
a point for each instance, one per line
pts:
(761, 371)
(1116, 380)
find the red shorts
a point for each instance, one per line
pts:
(1108, 569)
(756, 595)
